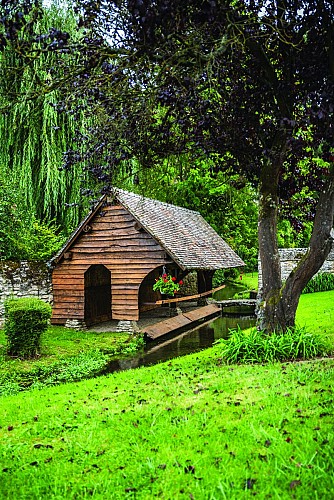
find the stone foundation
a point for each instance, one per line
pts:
(75, 324)
(127, 326)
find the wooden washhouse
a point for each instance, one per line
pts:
(107, 268)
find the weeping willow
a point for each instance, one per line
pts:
(34, 135)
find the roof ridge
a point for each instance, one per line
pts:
(184, 234)
(156, 202)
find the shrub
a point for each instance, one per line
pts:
(253, 346)
(321, 282)
(25, 320)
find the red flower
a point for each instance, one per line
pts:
(173, 278)
(180, 282)
(164, 275)
(165, 281)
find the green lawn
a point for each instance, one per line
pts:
(191, 428)
(250, 280)
(317, 311)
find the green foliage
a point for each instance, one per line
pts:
(25, 320)
(321, 282)
(34, 135)
(226, 201)
(22, 235)
(41, 241)
(130, 346)
(252, 346)
(222, 275)
(167, 284)
(82, 366)
(288, 237)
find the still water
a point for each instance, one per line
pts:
(190, 341)
(185, 343)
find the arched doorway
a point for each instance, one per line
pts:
(146, 296)
(97, 294)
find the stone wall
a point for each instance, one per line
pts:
(24, 279)
(290, 258)
(189, 286)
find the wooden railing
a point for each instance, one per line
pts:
(189, 297)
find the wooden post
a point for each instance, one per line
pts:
(204, 283)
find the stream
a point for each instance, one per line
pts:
(191, 341)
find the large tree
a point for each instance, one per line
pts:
(247, 84)
(34, 135)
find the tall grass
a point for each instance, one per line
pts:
(252, 346)
(322, 282)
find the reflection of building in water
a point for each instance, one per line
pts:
(185, 343)
(206, 335)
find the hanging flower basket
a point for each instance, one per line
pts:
(167, 285)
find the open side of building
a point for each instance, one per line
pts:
(107, 268)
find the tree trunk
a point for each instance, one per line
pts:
(320, 245)
(277, 310)
(204, 284)
(269, 313)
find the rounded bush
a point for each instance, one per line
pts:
(25, 320)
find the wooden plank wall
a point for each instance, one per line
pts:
(116, 242)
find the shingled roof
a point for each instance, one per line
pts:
(190, 241)
(183, 233)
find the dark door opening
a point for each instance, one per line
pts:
(97, 294)
(146, 296)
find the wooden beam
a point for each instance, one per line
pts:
(181, 321)
(188, 297)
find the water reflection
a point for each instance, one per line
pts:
(229, 291)
(186, 343)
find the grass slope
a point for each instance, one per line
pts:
(250, 280)
(191, 428)
(58, 343)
